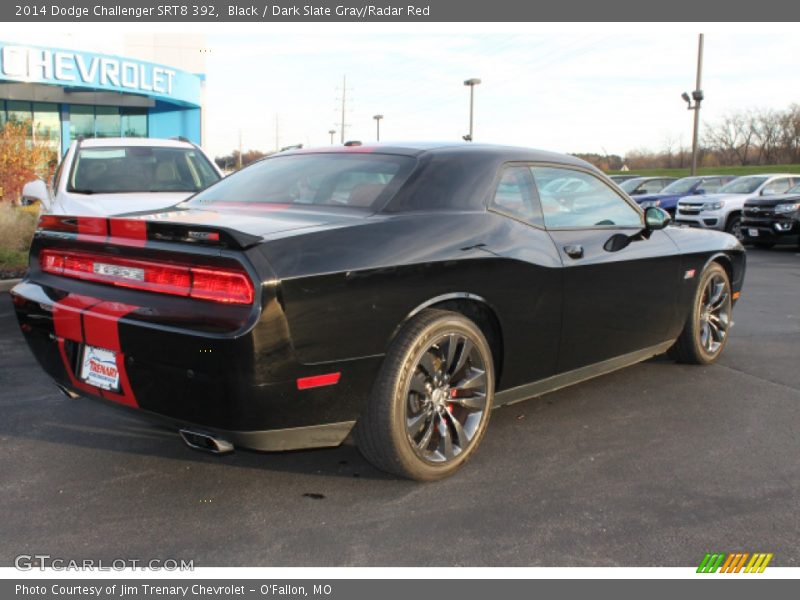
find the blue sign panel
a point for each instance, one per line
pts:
(68, 68)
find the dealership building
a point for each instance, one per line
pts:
(155, 90)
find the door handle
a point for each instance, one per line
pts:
(574, 251)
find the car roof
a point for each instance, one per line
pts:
(115, 142)
(770, 175)
(493, 151)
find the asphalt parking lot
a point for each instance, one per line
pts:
(654, 465)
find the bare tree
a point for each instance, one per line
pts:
(732, 137)
(767, 127)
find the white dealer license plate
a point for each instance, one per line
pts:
(99, 368)
(752, 232)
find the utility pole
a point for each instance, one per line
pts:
(697, 96)
(378, 125)
(332, 132)
(277, 136)
(344, 104)
(240, 149)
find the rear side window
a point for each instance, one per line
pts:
(515, 195)
(362, 181)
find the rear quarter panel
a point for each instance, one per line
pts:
(346, 291)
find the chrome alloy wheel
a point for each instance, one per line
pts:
(446, 398)
(715, 314)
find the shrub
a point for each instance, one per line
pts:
(16, 232)
(21, 159)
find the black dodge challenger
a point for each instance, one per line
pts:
(401, 290)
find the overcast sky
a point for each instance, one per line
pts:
(592, 90)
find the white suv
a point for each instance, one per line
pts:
(723, 210)
(110, 176)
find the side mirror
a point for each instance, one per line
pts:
(700, 191)
(37, 191)
(656, 218)
(638, 192)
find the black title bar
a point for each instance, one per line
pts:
(210, 11)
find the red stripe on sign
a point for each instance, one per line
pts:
(128, 232)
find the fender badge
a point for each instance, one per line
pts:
(689, 274)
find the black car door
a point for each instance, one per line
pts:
(620, 285)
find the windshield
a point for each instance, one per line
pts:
(129, 169)
(681, 186)
(742, 185)
(356, 180)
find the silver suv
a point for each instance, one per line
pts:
(723, 210)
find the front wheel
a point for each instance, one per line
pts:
(706, 330)
(734, 227)
(431, 401)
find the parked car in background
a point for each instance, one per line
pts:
(687, 186)
(110, 176)
(620, 178)
(771, 220)
(723, 210)
(404, 290)
(646, 185)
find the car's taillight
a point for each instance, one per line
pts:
(204, 283)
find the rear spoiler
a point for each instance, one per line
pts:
(138, 231)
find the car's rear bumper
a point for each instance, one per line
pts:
(243, 388)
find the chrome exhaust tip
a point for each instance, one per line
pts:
(206, 442)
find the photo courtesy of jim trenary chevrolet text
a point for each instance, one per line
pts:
(448, 298)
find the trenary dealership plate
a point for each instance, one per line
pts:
(99, 368)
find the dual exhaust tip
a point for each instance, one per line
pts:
(206, 442)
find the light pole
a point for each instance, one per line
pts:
(697, 96)
(378, 125)
(333, 133)
(471, 83)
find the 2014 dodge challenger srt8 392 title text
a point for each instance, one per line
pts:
(403, 291)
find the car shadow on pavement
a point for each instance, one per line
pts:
(113, 432)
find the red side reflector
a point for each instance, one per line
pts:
(736, 295)
(304, 383)
(217, 285)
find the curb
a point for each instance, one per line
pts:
(7, 284)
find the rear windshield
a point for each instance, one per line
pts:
(363, 181)
(117, 170)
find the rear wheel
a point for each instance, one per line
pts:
(706, 330)
(430, 404)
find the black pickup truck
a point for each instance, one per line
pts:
(772, 219)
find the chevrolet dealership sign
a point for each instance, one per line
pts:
(98, 72)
